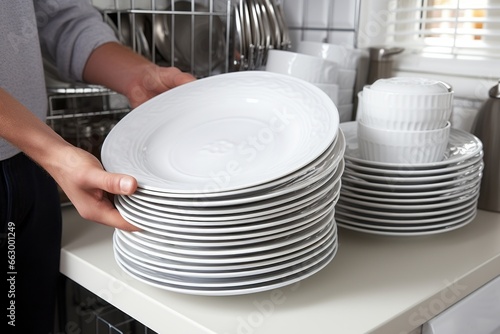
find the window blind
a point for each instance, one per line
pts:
(456, 27)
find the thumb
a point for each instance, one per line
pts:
(118, 184)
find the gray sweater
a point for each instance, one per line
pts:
(64, 31)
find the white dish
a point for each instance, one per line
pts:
(228, 291)
(285, 262)
(461, 146)
(402, 146)
(387, 193)
(408, 227)
(413, 207)
(187, 141)
(396, 200)
(222, 224)
(413, 179)
(311, 229)
(346, 57)
(330, 238)
(400, 233)
(411, 86)
(225, 282)
(397, 214)
(243, 221)
(231, 240)
(289, 187)
(305, 67)
(229, 259)
(411, 220)
(331, 157)
(399, 188)
(402, 172)
(245, 210)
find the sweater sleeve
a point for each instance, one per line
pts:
(69, 31)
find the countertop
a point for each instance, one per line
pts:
(375, 284)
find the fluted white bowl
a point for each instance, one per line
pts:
(401, 146)
(407, 104)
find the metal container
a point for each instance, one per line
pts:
(381, 63)
(487, 128)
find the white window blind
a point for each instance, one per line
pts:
(457, 27)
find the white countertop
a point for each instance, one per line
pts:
(375, 284)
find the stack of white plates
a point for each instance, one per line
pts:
(410, 199)
(238, 178)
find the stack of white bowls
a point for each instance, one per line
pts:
(318, 71)
(405, 120)
(348, 60)
(238, 176)
(407, 173)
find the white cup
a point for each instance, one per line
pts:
(309, 68)
(347, 57)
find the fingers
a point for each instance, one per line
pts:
(118, 184)
(172, 77)
(104, 213)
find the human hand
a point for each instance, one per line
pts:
(155, 80)
(85, 182)
(126, 72)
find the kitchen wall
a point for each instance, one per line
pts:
(331, 21)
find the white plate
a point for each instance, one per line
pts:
(461, 146)
(411, 194)
(400, 233)
(396, 214)
(465, 192)
(269, 195)
(417, 172)
(241, 258)
(405, 227)
(229, 291)
(413, 207)
(410, 220)
(235, 240)
(303, 232)
(223, 132)
(411, 180)
(324, 184)
(205, 228)
(186, 219)
(223, 267)
(263, 210)
(284, 262)
(236, 232)
(397, 188)
(229, 224)
(329, 159)
(221, 282)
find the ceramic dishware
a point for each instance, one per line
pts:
(405, 103)
(309, 68)
(402, 146)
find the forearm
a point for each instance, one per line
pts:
(116, 67)
(126, 72)
(24, 130)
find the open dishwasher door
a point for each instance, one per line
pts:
(478, 313)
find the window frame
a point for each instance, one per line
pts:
(473, 74)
